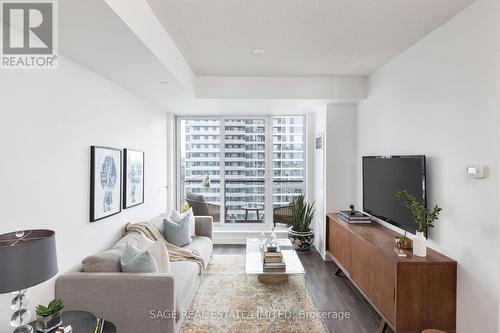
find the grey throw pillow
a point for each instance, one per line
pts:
(137, 261)
(177, 233)
(109, 261)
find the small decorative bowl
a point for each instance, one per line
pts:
(402, 242)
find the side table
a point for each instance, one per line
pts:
(81, 321)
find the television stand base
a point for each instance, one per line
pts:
(382, 326)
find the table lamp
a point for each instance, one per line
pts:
(27, 258)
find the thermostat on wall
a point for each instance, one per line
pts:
(475, 171)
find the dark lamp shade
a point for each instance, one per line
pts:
(27, 261)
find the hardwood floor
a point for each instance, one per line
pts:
(329, 293)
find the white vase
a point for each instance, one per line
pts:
(420, 245)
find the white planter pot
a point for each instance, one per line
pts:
(420, 245)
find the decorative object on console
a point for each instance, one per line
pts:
(133, 178)
(422, 216)
(105, 182)
(49, 317)
(354, 216)
(28, 258)
(402, 242)
(420, 245)
(301, 236)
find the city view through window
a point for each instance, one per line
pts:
(235, 156)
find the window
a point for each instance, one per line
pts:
(236, 154)
(244, 165)
(199, 158)
(288, 159)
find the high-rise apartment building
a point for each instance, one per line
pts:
(244, 158)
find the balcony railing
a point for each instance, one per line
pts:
(244, 197)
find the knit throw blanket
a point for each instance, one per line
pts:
(176, 253)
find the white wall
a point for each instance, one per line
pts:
(49, 119)
(335, 165)
(317, 127)
(341, 147)
(440, 98)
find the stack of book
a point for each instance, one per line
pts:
(273, 261)
(354, 217)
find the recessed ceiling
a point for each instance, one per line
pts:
(300, 37)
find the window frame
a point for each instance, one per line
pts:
(268, 224)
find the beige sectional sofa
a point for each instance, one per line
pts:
(140, 302)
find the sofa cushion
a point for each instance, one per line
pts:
(109, 261)
(177, 233)
(204, 247)
(138, 261)
(186, 282)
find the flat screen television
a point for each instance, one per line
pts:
(383, 176)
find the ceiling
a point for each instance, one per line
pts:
(299, 37)
(114, 47)
(111, 49)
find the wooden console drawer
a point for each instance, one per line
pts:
(375, 276)
(339, 244)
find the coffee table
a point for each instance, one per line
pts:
(276, 281)
(254, 265)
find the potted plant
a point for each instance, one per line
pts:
(49, 317)
(423, 217)
(300, 234)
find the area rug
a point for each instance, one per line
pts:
(229, 301)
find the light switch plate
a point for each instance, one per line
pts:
(475, 171)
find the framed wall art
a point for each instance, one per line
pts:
(133, 178)
(105, 182)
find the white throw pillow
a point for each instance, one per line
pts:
(158, 250)
(176, 216)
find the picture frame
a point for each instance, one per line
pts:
(133, 178)
(105, 182)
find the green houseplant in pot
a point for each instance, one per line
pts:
(50, 316)
(423, 217)
(300, 234)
